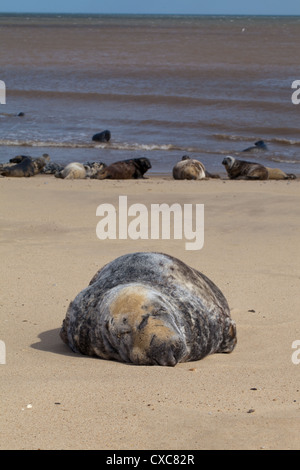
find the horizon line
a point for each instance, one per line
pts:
(145, 14)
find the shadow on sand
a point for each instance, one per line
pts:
(50, 342)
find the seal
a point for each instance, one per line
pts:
(103, 136)
(92, 168)
(126, 169)
(258, 146)
(191, 169)
(25, 166)
(240, 169)
(149, 308)
(76, 170)
(51, 168)
(277, 174)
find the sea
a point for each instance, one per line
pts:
(164, 86)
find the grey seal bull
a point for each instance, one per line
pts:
(149, 308)
(240, 169)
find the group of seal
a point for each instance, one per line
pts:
(126, 169)
(190, 169)
(24, 166)
(134, 168)
(149, 309)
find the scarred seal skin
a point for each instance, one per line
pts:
(149, 309)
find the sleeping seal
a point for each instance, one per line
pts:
(126, 169)
(239, 169)
(149, 308)
(190, 169)
(76, 170)
(25, 166)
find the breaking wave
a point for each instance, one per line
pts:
(110, 145)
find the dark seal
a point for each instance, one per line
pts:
(25, 166)
(126, 169)
(258, 146)
(149, 308)
(103, 136)
(240, 169)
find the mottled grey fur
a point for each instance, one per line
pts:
(149, 308)
(24, 166)
(76, 170)
(51, 168)
(242, 170)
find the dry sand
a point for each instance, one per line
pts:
(52, 398)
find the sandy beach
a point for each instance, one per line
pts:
(52, 398)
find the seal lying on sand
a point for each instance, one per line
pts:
(277, 174)
(25, 166)
(73, 170)
(259, 145)
(239, 169)
(126, 169)
(51, 168)
(190, 169)
(149, 308)
(77, 170)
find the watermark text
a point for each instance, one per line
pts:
(296, 354)
(163, 221)
(2, 92)
(296, 93)
(2, 352)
